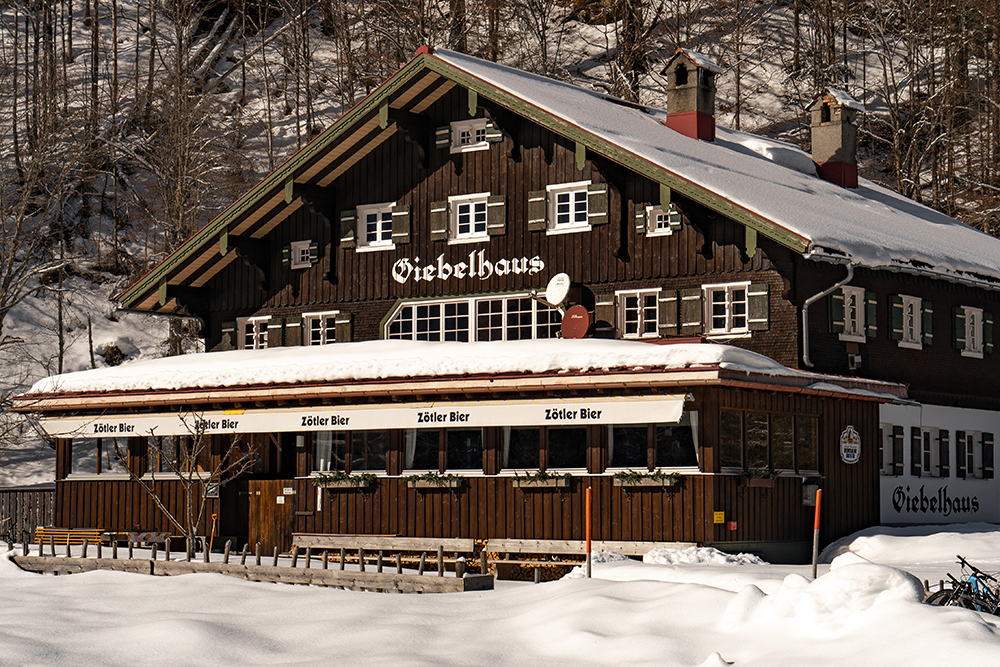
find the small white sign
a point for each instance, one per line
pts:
(850, 445)
(280, 500)
(288, 491)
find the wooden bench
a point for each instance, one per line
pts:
(367, 549)
(64, 536)
(560, 555)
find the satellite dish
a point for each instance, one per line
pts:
(575, 322)
(557, 289)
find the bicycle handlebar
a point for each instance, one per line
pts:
(975, 569)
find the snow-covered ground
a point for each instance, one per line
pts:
(697, 607)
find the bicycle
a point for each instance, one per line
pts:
(976, 590)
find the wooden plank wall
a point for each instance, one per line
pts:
(121, 505)
(22, 510)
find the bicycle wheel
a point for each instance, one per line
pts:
(965, 601)
(939, 598)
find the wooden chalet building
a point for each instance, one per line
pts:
(824, 329)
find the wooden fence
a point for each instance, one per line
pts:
(21, 510)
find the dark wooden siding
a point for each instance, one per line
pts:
(23, 510)
(122, 506)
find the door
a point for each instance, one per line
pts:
(271, 515)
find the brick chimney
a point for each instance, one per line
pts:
(691, 94)
(835, 137)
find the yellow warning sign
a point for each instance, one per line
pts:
(720, 517)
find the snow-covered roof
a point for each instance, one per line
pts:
(702, 60)
(844, 99)
(396, 359)
(870, 226)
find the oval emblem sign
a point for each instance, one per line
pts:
(850, 445)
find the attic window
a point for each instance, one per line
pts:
(300, 254)
(824, 113)
(681, 75)
(469, 135)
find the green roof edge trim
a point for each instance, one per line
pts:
(622, 156)
(276, 178)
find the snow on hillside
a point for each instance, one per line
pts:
(710, 611)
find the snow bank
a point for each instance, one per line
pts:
(977, 542)
(698, 556)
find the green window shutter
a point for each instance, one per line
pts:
(926, 322)
(401, 224)
(597, 203)
(439, 221)
(987, 456)
(228, 341)
(286, 256)
(641, 220)
(895, 317)
(691, 312)
(342, 327)
(348, 228)
(604, 315)
(293, 331)
(988, 333)
(442, 137)
(537, 200)
(668, 313)
(313, 252)
(275, 332)
(496, 215)
(836, 310)
(960, 454)
(493, 133)
(916, 460)
(897, 450)
(871, 311)
(958, 324)
(758, 307)
(944, 452)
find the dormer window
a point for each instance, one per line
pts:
(300, 254)
(662, 221)
(469, 135)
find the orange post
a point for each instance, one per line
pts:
(588, 532)
(819, 499)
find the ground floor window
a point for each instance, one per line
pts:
(458, 449)
(768, 441)
(163, 454)
(649, 446)
(521, 447)
(363, 450)
(96, 456)
(565, 447)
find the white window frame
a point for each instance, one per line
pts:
(854, 323)
(640, 313)
(730, 329)
(299, 254)
(259, 332)
(363, 244)
(973, 332)
(538, 310)
(670, 218)
(888, 450)
(454, 206)
(930, 453)
(327, 322)
(572, 189)
(973, 454)
(912, 323)
(474, 126)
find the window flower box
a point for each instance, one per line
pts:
(342, 480)
(434, 481)
(546, 483)
(647, 481)
(763, 482)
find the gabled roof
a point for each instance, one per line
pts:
(763, 184)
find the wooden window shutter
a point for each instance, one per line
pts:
(926, 322)
(442, 137)
(604, 311)
(758, 307)
(988, 333)
(293, 331)
(895, 317)
(493, 133)
(836, 309)
(439, 221)
(597, 203)
(668, 313)
(286, 256)
(228, 340)
(871, 312)
(348, 228)
(496, 215)
(401, 224)
(897, 450)
(958, 324)
(960, 444)
(275, 332)
(916, 442)
(537, 205)
(691, 311)
(944, 452)
(313, 252)
(641, 220)
(987, 456)
(342, 326)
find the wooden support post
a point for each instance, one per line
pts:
(52, 545)
(114, 549)
(343, 557)
(274, 563)
(361, 559)
(326, 560)
(243, 554)
(399, 563)
(378, 563)
(484, 562)
(423, 562)
(100, 553)
(206, 550)
(587, 529)
(152, 552)
(309, 557)
(460, 568)
(130, 545)
(86, 543)
(69, 549)
(441, 561)
(189, 548)
(166, 549)
(225, 552)
(295, 556)
(258, 553)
